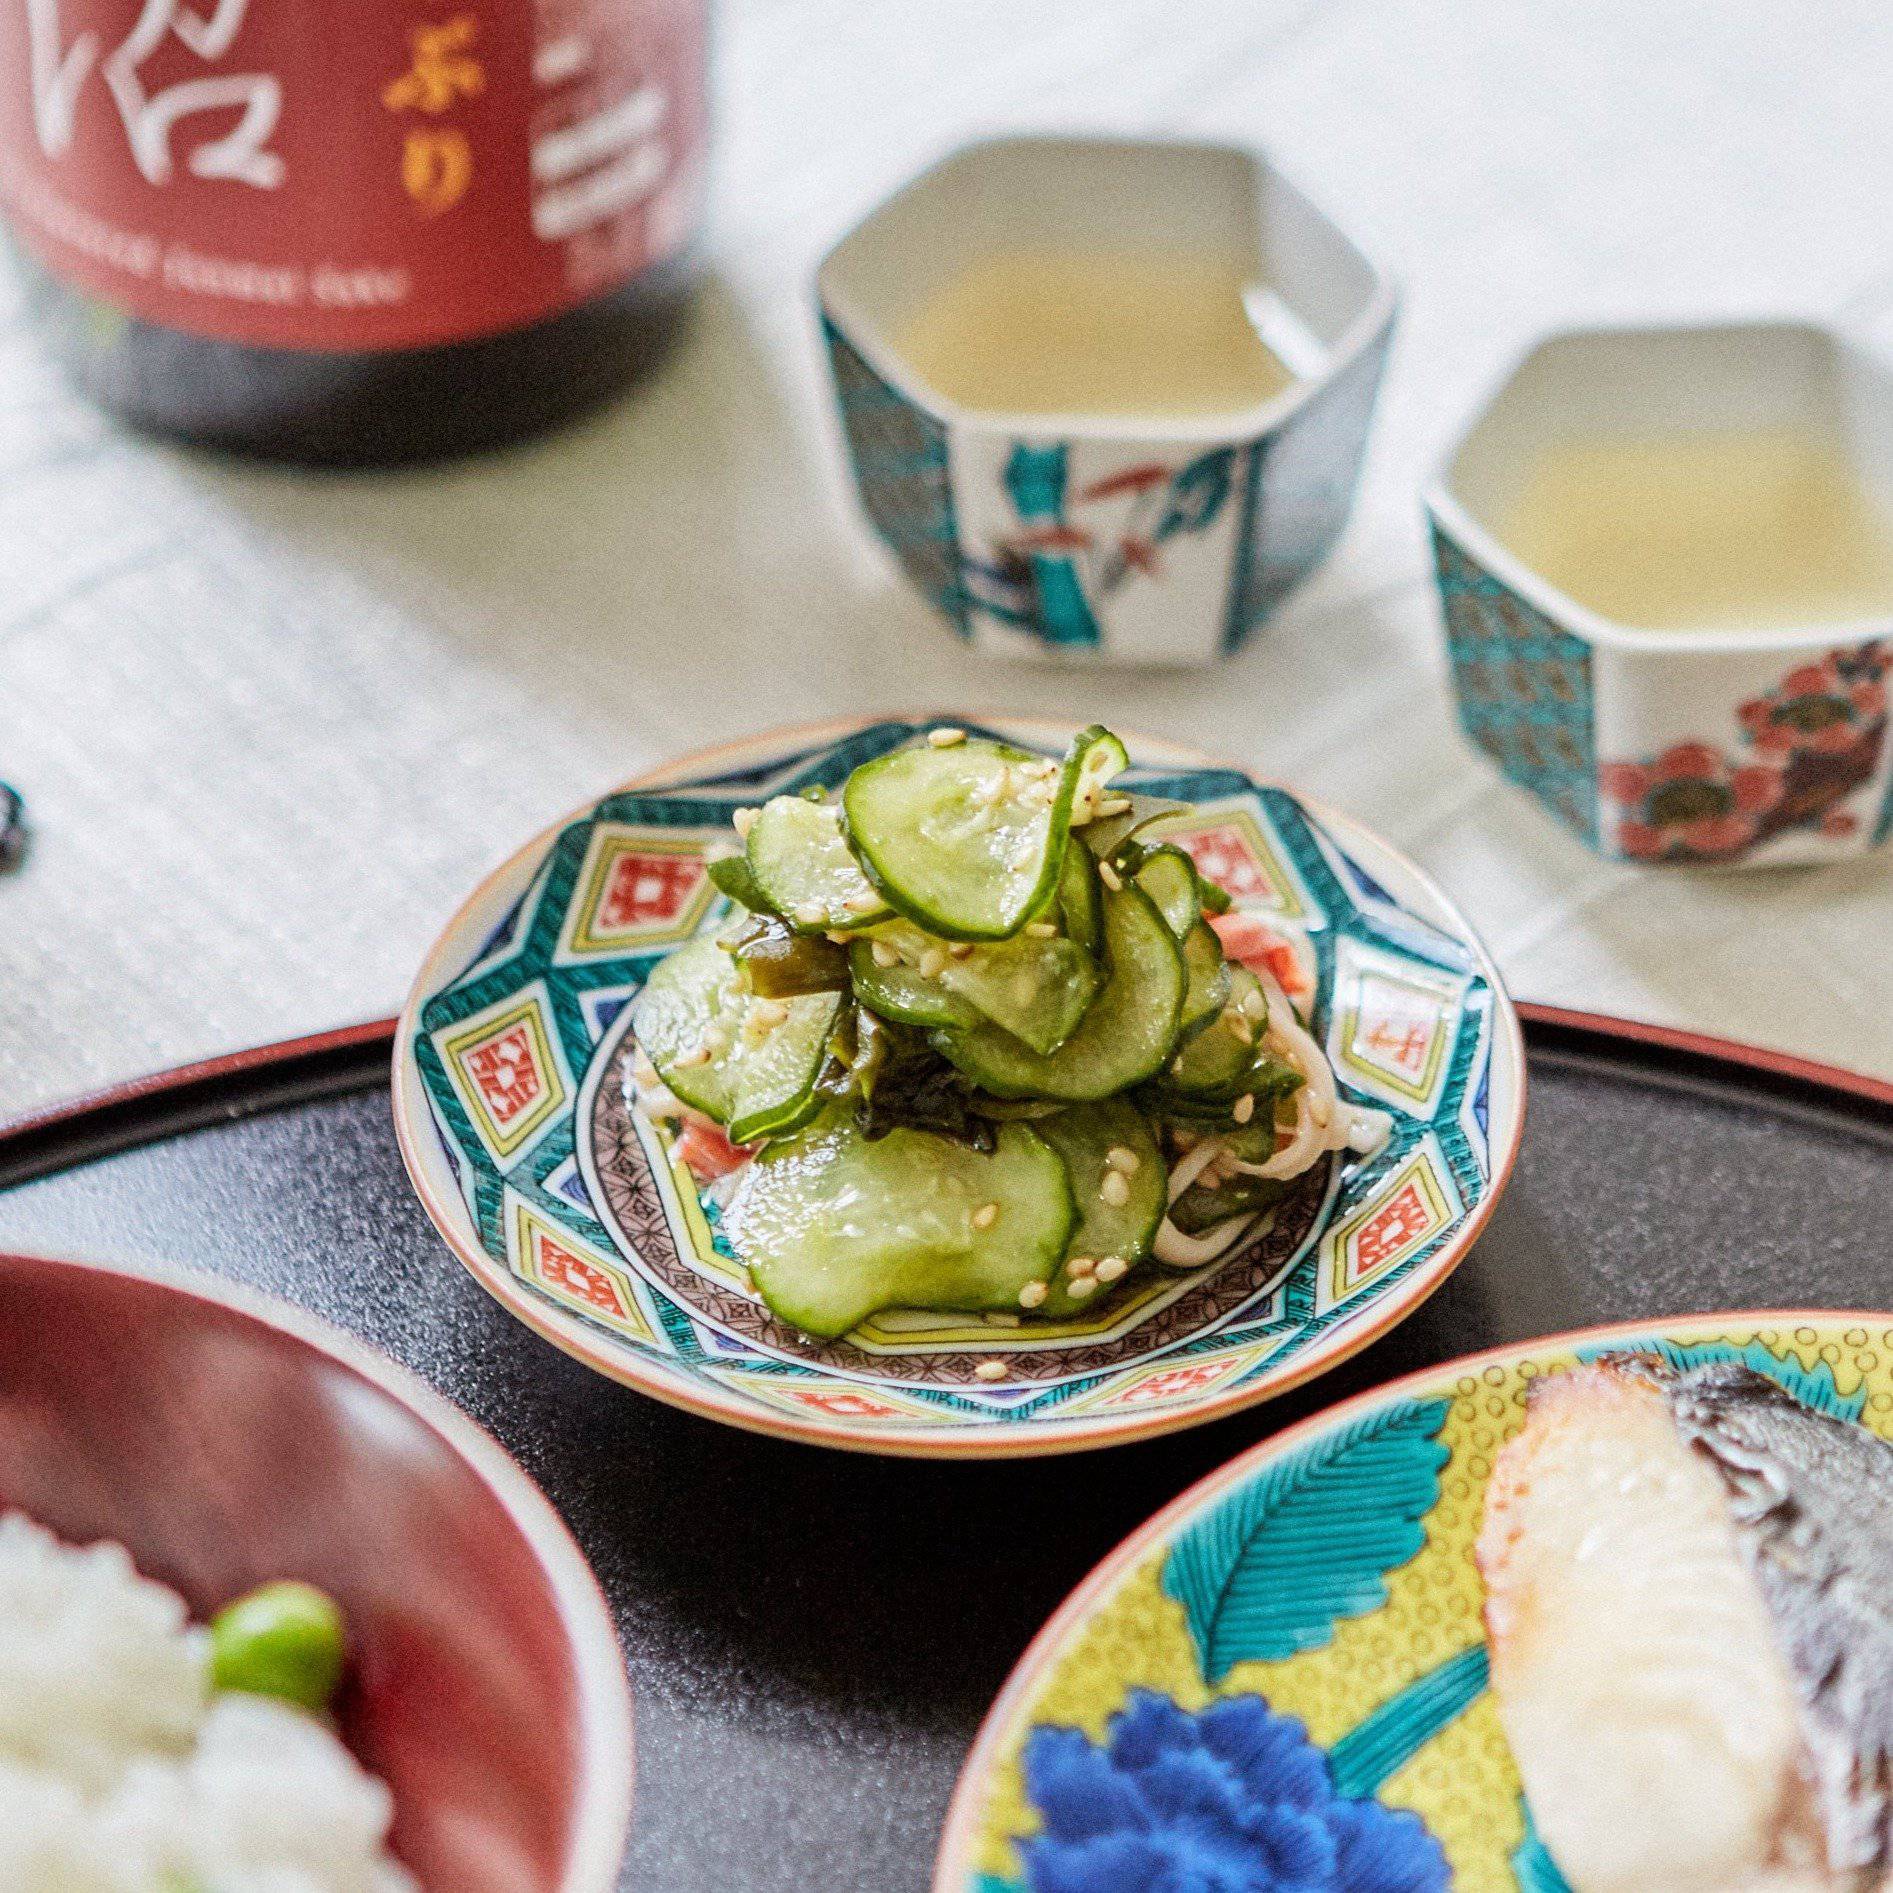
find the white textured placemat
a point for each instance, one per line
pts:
(273, 726)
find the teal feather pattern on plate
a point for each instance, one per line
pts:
(1532, 1864)
(1364, 1759)
(1309, 1541)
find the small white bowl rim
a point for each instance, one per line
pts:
(601, 1824)
(1237, 427)
(1590, 627)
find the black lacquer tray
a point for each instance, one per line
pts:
(814, 1636)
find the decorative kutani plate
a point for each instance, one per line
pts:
(509, 1101)
(1284, 1672)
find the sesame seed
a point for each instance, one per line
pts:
(932, 963)
(769, 1012)
(1080, 1266)
(1115, 1189)
(945, 738)
(1115, 805)
(1112, 1267)
(1255, 1005)
(990, 1370)
(1082, 1287)
(961, 949)
(1110, 877)
(744, 820)
(1245, 1107)
(810, 913)
(1041, 930)
(986, 1215)
(836, 937)
(1033, 1294)
(1122, 1157)
(884, 955)
(864, 901)
(697, 1055)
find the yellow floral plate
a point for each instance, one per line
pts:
(1284, 1672)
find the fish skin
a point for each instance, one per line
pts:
(1812, 1500)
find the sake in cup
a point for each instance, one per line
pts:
(1105, 400)
(1665, 557)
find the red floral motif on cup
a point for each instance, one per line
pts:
(1813, 740)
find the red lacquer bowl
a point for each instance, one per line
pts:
(225, 1439)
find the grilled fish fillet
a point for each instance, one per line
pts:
(1691, 1632)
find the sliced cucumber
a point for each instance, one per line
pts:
(1038, 989)
(834, 1227)
(1209, 975)
(730, 875)
(693, 999)
(1199, 1209)
(1081, 899)
(1222, 1047)
(1168, 876)
(899, 993)
(1088, 1137)
(1108, 833)
(1126, 1036)
(800, 863)
(1094, 757)
(777, 1069)
(760, 1077)
(968, 840)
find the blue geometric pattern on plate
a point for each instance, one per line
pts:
(516, 1056)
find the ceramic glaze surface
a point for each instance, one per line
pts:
(1299, 1643)
(1660, 740)
(1162, 535)
(576, 1212)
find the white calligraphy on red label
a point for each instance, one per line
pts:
(59, 73)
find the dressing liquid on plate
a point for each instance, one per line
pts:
(1131, 332)
(1712, 531)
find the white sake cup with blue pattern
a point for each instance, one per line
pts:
(1093, 537)
(1737, 747)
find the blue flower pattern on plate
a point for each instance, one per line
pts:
(1236, 1799)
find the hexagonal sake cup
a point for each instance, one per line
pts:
(1722, 747)
(1096, 537)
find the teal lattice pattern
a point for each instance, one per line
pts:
(1524, 686)
(900, 465)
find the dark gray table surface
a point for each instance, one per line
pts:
(814, 1636)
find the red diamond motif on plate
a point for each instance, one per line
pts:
(559, 1268)
(506, 1071)
(646, 888)
(842, 1406)
(1403, 1218)
(1172, 1382)
(1226, 857)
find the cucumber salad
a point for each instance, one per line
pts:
(970, 1039)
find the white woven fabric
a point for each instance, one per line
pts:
(272, 726)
